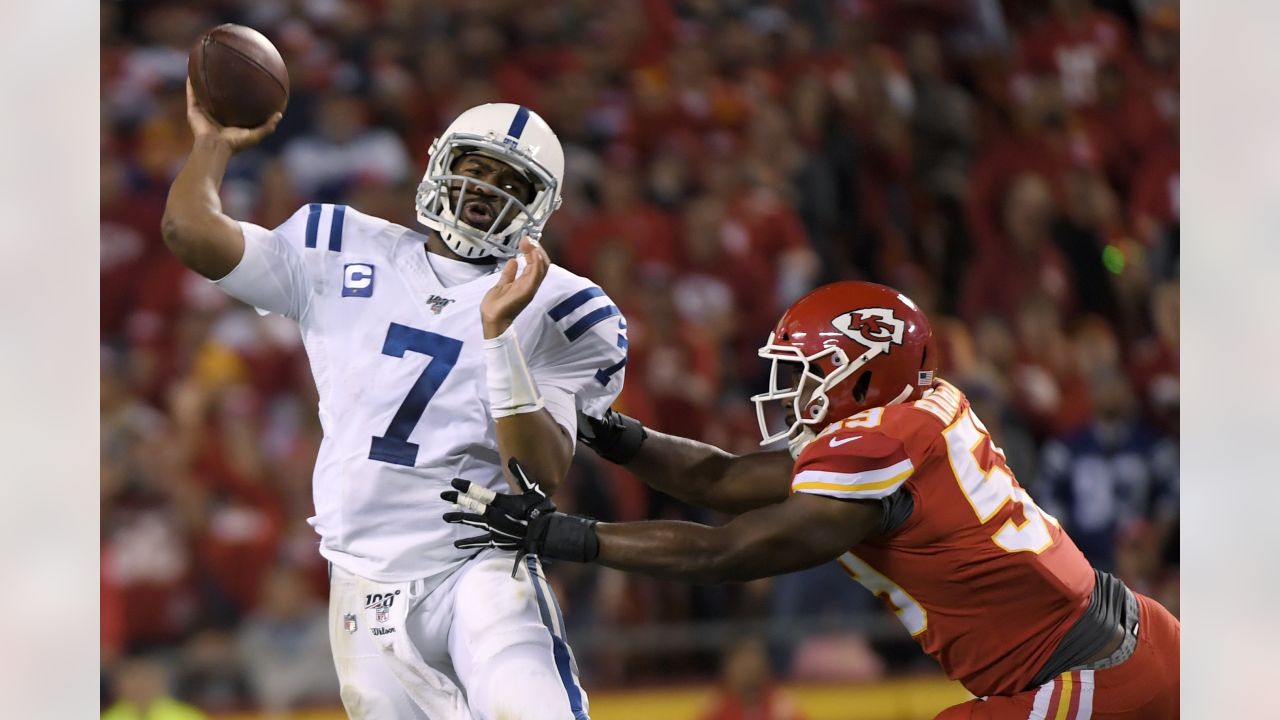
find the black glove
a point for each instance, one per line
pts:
(525, 523)
(615, 437)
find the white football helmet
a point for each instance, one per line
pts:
(512, 134)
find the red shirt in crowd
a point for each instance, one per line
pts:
(1076, 50)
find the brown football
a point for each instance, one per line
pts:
(238, 76)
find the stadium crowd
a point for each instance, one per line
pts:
(1011, 166)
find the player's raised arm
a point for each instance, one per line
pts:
(688, 470)
(194, 226)
(525, 428)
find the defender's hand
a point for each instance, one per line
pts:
(504, 518)
(237, 139)
(525, 523)
(511, 294)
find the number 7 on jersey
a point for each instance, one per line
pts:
(394, 446)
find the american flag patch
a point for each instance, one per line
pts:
(925, 377)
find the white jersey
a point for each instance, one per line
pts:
(397, 357)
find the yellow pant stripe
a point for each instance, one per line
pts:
(1064, 700)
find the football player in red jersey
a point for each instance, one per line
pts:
(898, 480)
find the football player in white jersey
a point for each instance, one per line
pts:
(437, 356)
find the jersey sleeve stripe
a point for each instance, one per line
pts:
(870, 492)
(335, 228)
(591, 319)
(313, 224)
(874, 454)
(604, 375)
(573, 302)
(870, 481)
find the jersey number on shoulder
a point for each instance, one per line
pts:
(394, 446)
(991, 489)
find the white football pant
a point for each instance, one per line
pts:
(479, 646)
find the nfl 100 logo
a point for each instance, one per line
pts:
(381, 604)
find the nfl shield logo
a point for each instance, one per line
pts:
(380, 614)
(349, 622)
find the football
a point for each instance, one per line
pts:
(238, 76)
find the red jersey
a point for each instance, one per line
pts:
(985, 581)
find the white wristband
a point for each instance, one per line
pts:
(511, 387)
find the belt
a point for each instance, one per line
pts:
(1127, 645)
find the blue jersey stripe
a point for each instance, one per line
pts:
(591, 319)
(518, 122)
(313, 223)
(573, 302)
(604, 375)
(559, 649)
(335, 228)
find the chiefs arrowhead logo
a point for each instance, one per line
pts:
(876, 328)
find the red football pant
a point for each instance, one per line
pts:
(1144, 687)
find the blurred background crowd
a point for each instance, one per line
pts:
(1010, 165)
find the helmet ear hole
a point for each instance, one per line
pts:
(861, 387)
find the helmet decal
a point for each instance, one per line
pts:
(875, 328)
(517, 125)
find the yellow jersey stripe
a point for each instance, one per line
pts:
(855, 488)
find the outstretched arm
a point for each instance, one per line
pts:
(706, 476)
(801, 532)
(692, 471)
(194, 226)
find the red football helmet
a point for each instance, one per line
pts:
(863, 345)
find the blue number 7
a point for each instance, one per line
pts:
(394, 446)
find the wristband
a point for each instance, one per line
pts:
(570, 537)
(511, 387)
(615, 437)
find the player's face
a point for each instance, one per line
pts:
(808, 385)
(481, 208)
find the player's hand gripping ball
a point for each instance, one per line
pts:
(238, 76)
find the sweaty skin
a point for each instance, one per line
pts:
(801, 532)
